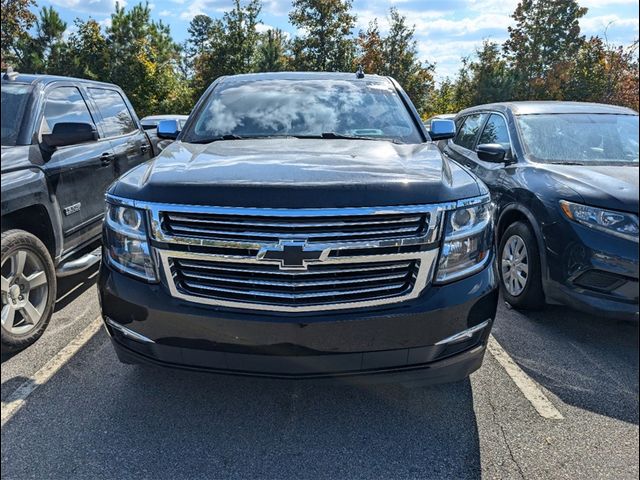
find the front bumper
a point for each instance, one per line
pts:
(401, 342)
(592, 271)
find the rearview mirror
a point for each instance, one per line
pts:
(441, 129)
(491, 152)
(70, 133)
(168, 129)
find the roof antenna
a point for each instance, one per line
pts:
(360, 72)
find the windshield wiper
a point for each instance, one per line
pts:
(229, 136)
(341, 136)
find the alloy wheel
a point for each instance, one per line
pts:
(24, 291)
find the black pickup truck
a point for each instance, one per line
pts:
(64, 141)
(302, 225)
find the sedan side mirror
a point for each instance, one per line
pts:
(69, 133)
(491, 152)
(168, 129)
(441, 129)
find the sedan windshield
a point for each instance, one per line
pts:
(580, 138)
(314, 108)
(14, 101)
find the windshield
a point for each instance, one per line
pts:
(305, 108)
(14, 100)
(580, 138)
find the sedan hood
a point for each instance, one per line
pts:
(610, 187)
(298, 173)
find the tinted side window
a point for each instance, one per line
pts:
(64, 104)
(495, 131)
(116, 119)
(467, 133)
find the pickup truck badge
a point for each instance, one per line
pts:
(71, 209)
(292, 255)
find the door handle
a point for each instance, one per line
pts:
(106, 159)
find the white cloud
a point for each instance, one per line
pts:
(91, 6)
(165, 13)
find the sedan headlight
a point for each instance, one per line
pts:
(126, 244)
(468, 240)
(623, 225)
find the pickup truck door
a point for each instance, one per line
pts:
(78, 174)
(130, 144)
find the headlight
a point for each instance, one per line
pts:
(126, 243)
(624, 225)
(468, 239)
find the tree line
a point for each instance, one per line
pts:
(545, 57)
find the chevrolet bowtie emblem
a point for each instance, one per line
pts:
(292, 255)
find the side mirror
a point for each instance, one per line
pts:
(441, 129)
(69, 133)
(491, 152)
(168, 129)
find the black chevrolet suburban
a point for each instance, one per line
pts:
(64, 140)
(303, 225)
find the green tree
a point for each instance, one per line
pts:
(402, 62)
(87, 53)
(43, 52)
(491, 79)
(396, 55)
(327, 44)
(604, 73)
(272, 51)
(231, 46)
(542, 44)
(144, 61)
(370, 48)
(16, 20)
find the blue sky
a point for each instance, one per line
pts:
(445, 30)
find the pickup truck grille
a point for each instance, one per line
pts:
(316, 229)
(318, 285)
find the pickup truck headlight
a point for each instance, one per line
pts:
(126, 243)
(623, 225)
(468, 240)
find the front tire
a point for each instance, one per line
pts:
(28, 289)
(520, 267)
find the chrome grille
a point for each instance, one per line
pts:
(319, 284)
(354, 257)
(315, 229)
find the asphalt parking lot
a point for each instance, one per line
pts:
(96, 418)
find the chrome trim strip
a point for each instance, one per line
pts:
(127, 332)
(423, 278)
(234, 268)
(464, 335)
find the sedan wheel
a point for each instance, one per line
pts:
(515, 265)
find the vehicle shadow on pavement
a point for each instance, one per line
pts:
(146, 422)
(587, 361)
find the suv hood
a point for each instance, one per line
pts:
(298, 173)
(604, 186)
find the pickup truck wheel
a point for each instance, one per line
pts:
(520, 267)
(28, 289)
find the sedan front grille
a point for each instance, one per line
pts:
(319, 284)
